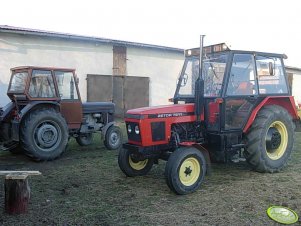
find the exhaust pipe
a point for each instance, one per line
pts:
(199, 85)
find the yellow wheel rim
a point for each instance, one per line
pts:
(190, 171)
(278, 152)
(137, 165)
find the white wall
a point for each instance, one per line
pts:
(163, 68)
(21, 50)
(296, 90)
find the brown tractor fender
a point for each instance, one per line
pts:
(6, 111)
(287, 102)
(34, 105)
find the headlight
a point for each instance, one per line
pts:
(129, 129)
(137, 130)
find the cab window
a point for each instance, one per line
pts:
(41, 84)
(242, 76)
(66, 85)
(270, 75)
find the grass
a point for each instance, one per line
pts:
(86, 187)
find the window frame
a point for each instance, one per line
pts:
(284, 74)
(55, 97)
(76, 89)
(233, 53)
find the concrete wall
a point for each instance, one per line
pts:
(296, 90)
(85, 57)
(162, 67)
(88, 58)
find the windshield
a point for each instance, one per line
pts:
(214, 66)
(18, 82)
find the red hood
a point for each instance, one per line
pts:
(162, 109)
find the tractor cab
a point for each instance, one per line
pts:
(43, 83)
(234, 82)
(54, 86)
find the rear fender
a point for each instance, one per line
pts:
(35, 105)
(6, 110)
(287, 102)
(106, 127)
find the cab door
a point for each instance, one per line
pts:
(241, 94)
(71, 106)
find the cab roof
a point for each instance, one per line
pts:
(222, 47)
(40, 68)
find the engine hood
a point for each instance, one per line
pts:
(164, 110)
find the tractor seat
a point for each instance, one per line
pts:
(98, 107)
(244, 88)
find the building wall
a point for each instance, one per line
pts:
(85, 57)
(88, 58)
(296, 91)
(162, 67)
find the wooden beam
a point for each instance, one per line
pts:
(28, 173)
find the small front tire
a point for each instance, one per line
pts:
(113, 138)
(84, 139)
(132, 167)
(185, 170)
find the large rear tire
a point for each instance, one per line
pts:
(132, 167)
(44, 134)
(185, 170)
(270, 139)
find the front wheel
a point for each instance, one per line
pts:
(113, 138)
(84, 139)
(185, 170)
(131, 166)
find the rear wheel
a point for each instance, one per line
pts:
(113, 138)
(132, 167)
(84, 139)
(44, 134)
(270, 139)
(185, 170)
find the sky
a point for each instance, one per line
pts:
(260, 25)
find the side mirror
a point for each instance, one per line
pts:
(271, 68)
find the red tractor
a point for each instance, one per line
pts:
(46, 110)
(228, 104)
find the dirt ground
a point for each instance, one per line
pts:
(86, 187)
